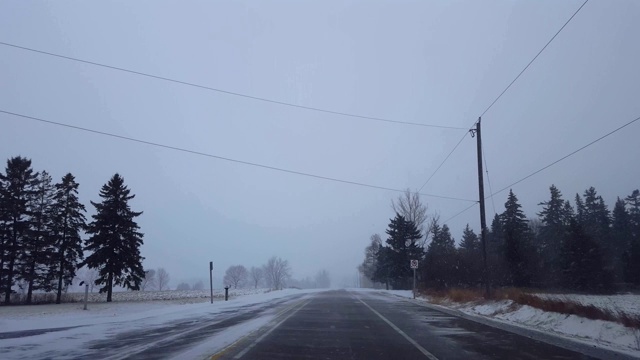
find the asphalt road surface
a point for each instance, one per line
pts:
(324, 325)
(370, 325)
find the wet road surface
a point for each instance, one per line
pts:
(369, 325)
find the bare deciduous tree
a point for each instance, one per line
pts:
(162, 279)
(370, 263)
(411, 208)
(236, 276)
(276, 272)
(149, 280)
(256, 274)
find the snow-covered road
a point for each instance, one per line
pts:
(157, 329)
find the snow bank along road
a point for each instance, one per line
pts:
(289, 325)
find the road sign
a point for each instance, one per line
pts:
(414, 264)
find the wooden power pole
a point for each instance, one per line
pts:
(483, 221)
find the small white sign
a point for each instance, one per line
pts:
(414, 264)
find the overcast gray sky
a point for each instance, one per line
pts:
(430, 62)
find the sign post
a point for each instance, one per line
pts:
(414, 266)
(86, 294)
(211, 279)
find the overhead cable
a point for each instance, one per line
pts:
(227, 92)
(564, 157)
(534, 58)
(175, 148)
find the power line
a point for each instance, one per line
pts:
(220, 157)
(442, 163)
(534, 58)
(460, 213)
(486, 169)
(227, 92)
(507, 88)
(564, 157)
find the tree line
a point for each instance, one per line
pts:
(580, 247)
(41, 228)
(274, 274)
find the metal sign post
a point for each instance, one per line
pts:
(414, 266)
(211, 279)
(86, 294)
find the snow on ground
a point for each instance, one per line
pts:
(628, 303)
(27, 317)
(606, 334)
(151, 295)
(105, 320)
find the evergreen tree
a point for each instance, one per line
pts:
(495, 252)
(384, 264)
(115, 240)
(596, 218)
(580, 210)
(582, 262)
(440, 260)
(4, 234)
(554, 220)
(37, 247)
(18, 191)
(470, 241)
(470, 252)
(620, 236)
(568, 213)
(403, 243)
(596, 223)
(68, 222)
(515, 227)
(631, 257)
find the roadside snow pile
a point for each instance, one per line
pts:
(607, 333)
(161, 295)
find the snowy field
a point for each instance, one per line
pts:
(605, 334)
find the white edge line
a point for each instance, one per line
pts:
(413, 342)
(243, 352)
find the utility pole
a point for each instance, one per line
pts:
(483, 221)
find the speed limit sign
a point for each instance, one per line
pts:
(414, 264)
